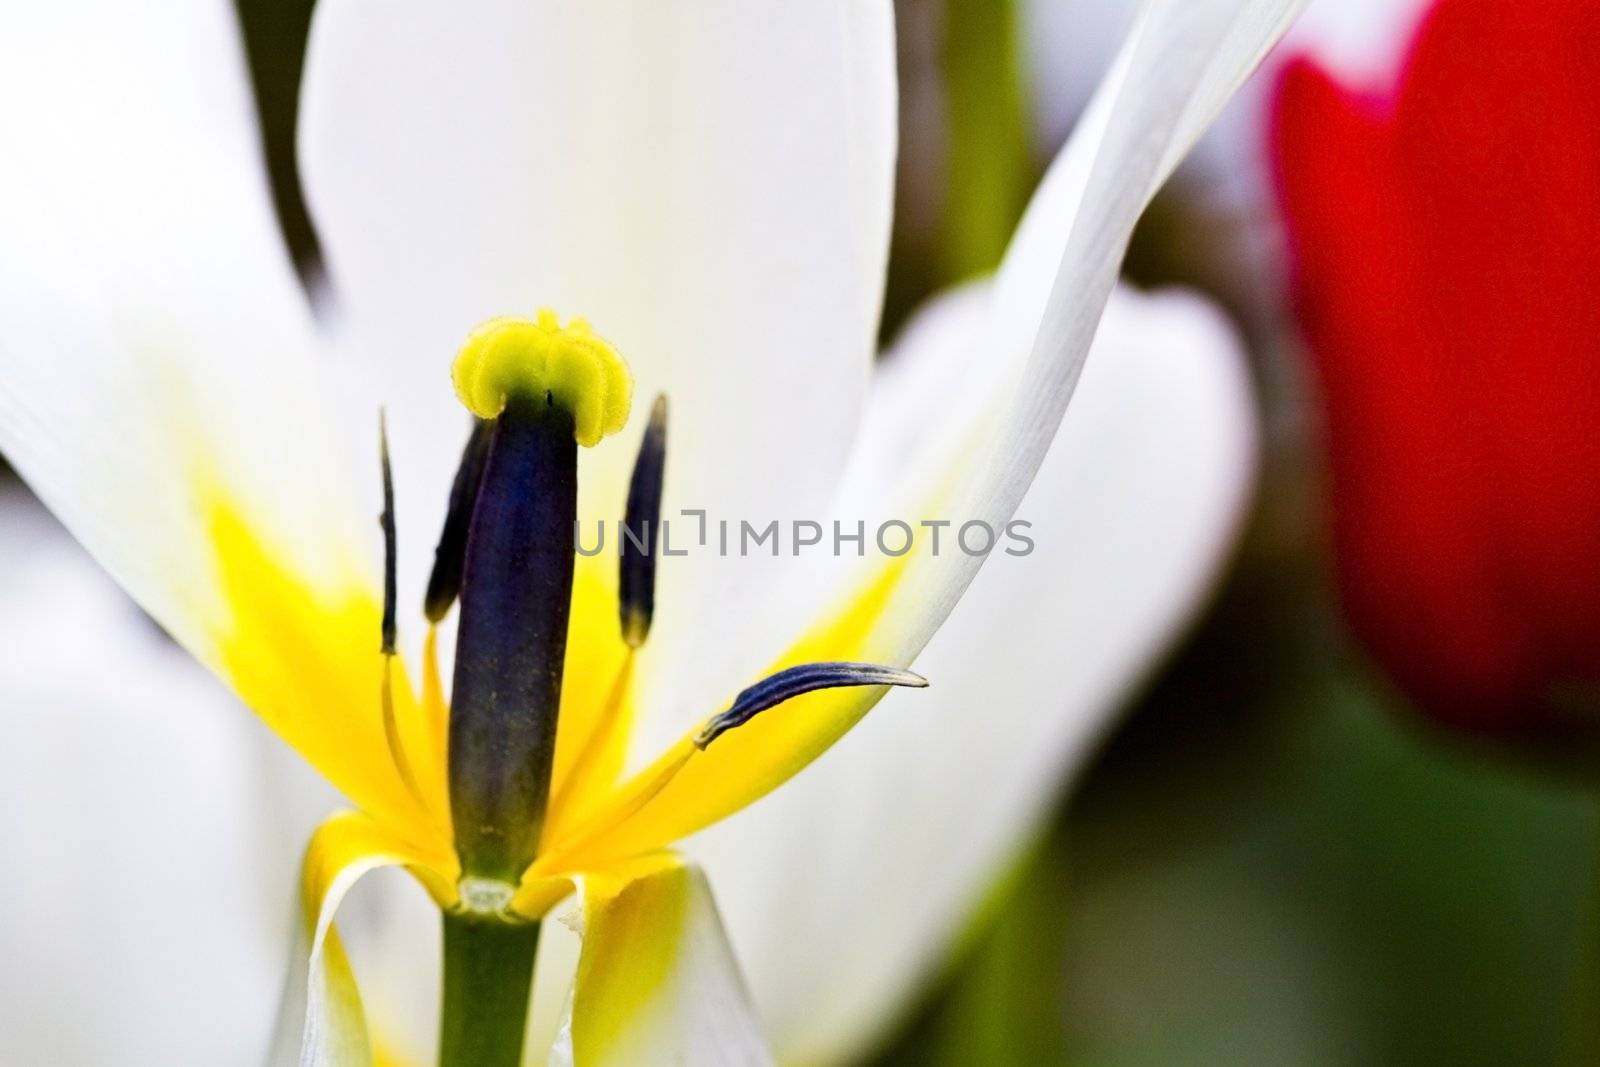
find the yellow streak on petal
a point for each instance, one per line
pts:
(384, 1055)
(634, 913)
(536, 896)
(306, 659)
(633, 918)
(635, 922)
(590, 842)
(656, 980)
(351, 838)
(686, 790)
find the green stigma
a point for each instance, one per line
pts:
(569, 365)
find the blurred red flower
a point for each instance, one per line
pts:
(1445, 241)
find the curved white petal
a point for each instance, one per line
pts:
(844, 888)
(656, 981)
(321, 1019)
(1182, 61)
(151, 830)
(390, 929)
(709, 184)
(1228, 175)
(155, 347)
(1070, 43)
(635, 970)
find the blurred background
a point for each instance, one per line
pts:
(1276, 859)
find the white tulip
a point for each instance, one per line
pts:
(710, 189)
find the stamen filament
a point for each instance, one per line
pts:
(391, 728)
(607, 723)
(391, 735)
(436, 713)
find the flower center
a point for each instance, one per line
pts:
(507, 553)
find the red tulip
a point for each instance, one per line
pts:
(1445, 240)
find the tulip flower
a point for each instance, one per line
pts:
(1440, 231)
(1133, 511)
(712, 193)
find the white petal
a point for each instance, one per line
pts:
(655, 913)
(641, 958)
(1182, 61)
(656, 982)
(155, 347)
(1070, 43)
(321, 1019)
(846, 887)
(390, 928)
(985, 444)
(708, 184)
(151, 829)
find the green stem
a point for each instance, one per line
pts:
(488, 975)
(1580, 1042)
(988, 157)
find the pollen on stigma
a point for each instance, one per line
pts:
(571, 365)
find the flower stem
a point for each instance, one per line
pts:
(488, 974)
(1580, 1041)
